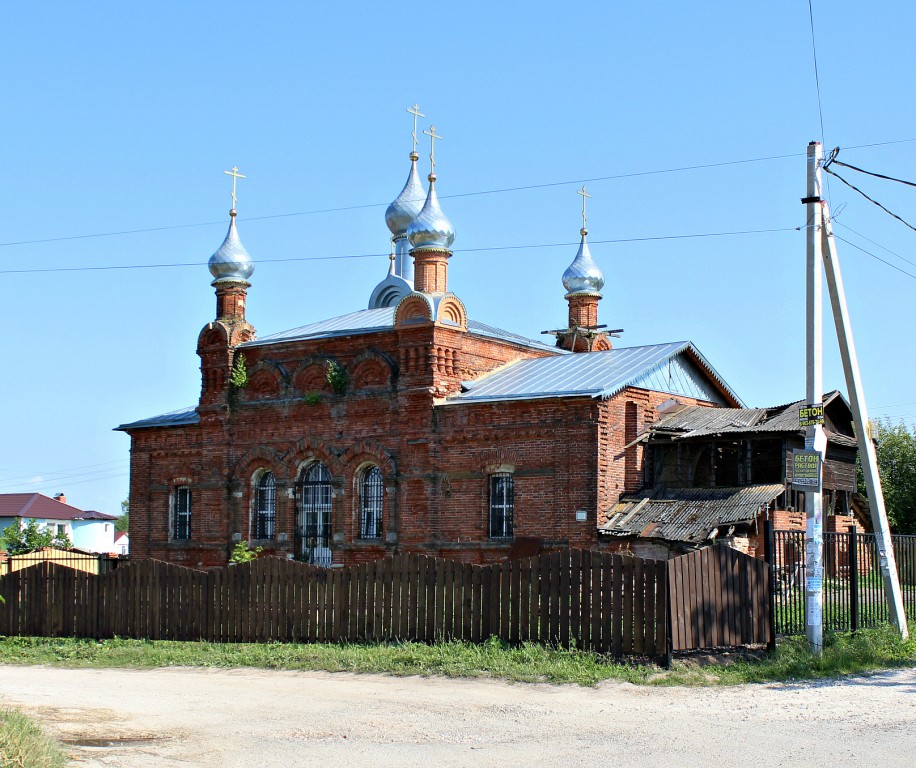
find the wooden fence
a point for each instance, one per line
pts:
(719, 597)
(597, 601)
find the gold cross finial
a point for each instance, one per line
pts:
(234, 173)
(432, 147)
(584, 195)
(415, 111)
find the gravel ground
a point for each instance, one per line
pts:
(247, 717)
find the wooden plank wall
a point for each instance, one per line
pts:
(719, 598)
(572, 598)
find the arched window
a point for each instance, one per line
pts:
(371, 501)
(314, 526)
(502, 506)
(265, 512)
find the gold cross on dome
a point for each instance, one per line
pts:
(234, 173)
(415, 111)
(584, 195)
(432, 147)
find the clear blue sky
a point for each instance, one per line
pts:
(122, 116)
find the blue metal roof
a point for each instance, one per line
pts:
(173, 419)
(376, 320)
(677, 367)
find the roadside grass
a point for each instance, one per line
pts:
(24, 745)
(844, 654)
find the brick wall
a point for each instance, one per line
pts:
(436, 458)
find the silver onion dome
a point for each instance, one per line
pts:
(431, 228)
(231, 261)
(583, 275)
(407, 205)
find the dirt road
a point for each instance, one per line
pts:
(229, 718)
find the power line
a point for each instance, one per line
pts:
(49, 475)
(817, 83)
(340, 209)
(874, 242)
(70, 482)
(817, 80)
(883, 261)
(109, 267)
(856, 189)
(871, 173)
(145, 230)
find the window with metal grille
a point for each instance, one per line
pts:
(265, 517)
(181, 524)
(502, 506)
(314, 493)
(371, 499)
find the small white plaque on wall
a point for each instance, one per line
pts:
(581, 515)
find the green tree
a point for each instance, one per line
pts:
(18, 539)
(242, 553)
(123, 522)
(896, 450)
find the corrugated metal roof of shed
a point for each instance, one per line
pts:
(697, 418)
(687, 514)
(697, 421)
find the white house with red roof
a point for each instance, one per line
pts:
(121, 543)
(88, 530)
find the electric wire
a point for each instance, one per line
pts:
(873, 242)
(74, 482)
(54, 475)
(872, 173)
(817, 83)
(871, 200)
(109, 267)
(145, 230)
(340, 209)
(817, 80)
(883, 261)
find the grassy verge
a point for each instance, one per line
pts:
(25, 745)
(844, 654)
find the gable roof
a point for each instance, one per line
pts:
(676, 367)
(687, 514)
(39, 507)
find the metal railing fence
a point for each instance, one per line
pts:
(853, 588)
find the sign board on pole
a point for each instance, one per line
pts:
(810, 415)
(806, 470)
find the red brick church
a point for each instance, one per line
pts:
(406, 426)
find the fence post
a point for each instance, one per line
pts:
(853, 579)
(768, 550)
(669, 641)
